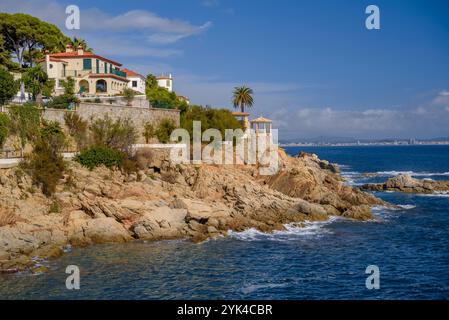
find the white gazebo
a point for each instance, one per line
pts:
(262, 125)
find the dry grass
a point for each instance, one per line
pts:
(7, 217)
(144, 157)
(169, 176)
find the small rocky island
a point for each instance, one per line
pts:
(166, 201)
(406, 183)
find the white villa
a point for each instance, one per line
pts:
(93, 74)
(96, 75)
(165, 81)
(136, 80)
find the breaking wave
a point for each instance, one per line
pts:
(412, 173)
(443, 194)
(293, 230)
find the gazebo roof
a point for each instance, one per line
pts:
(261, 120)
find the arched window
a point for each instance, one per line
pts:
(101, 86)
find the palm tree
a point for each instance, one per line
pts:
(243, 98)
(75, 42)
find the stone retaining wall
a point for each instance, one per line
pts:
(139, 116)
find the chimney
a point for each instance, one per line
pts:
(80, 50)
(68, 48)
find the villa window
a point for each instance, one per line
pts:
(168, 83)
(134, 84)
(87, 64)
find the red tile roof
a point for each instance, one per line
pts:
(130, 73)
(86, 54)
(56, 60)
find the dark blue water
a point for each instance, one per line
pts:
(322, 261)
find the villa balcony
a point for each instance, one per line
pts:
(75, 73)
(82, 73)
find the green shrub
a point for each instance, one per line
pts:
(128, 95)
(4, 128)
(100, 155)
(52, 133)
(45, 166)
(55, 207)
(164, 130)
(63, 101)
(77, 128)
(97, 100)
(119, 134)
(25, 121)
(148, 132)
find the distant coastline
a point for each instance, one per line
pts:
(358, 144)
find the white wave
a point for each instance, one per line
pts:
(406, 206)
(350, 177)
(397, 208)
(292, 230)
(383, 212)
(443, 194)
(412, 173)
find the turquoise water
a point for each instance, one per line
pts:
(322, 261)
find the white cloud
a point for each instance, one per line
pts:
(282, 103)
(120, 34)
(442, 99)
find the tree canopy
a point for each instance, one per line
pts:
(35, 79)
(161, 97)
(26, 36)
(8, 86)
(220, 119)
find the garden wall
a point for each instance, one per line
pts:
(139, 116)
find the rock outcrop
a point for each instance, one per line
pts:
(406, 183)
(166, 201)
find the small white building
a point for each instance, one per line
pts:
(165, 81)
(136, 80)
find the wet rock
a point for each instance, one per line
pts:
(362, 212)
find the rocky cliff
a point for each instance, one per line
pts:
(166, 201)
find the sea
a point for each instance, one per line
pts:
(408, 248)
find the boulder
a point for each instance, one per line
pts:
(362, 212)
(160, 223)
(406, 183)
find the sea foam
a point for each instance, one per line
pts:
(292, 231)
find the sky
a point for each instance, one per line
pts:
(315, 69)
